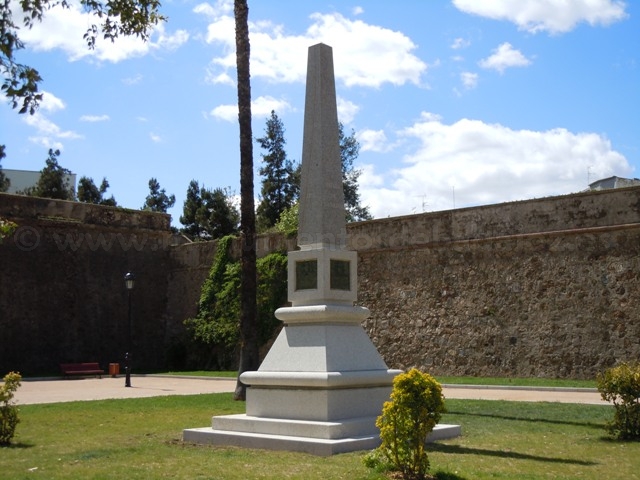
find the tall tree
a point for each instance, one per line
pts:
(88, 192)
(279, 189)
(191, 207)
(53, 181)
(117, 18)
(5, 183)
(158, 200)
(349, 150)
(249, 357)
(208, 214)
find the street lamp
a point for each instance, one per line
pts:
(129, 281)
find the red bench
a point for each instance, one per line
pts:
(90, 368)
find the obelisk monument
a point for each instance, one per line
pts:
(323, 383)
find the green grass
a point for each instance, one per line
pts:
(141, 439)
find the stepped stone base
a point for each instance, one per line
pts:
(316, 438)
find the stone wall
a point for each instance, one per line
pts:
(541, 288)
(62, 293)
(545, 287)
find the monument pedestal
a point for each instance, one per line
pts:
(328, 405)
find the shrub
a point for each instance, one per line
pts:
(8, 411)
(621, 385)
(415, 408)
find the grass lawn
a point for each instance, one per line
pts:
(141, 439)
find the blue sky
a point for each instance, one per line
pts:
(455, 103)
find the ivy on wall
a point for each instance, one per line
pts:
(215, 328)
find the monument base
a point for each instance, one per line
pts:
(315, 438)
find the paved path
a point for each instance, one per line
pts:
(53, 391)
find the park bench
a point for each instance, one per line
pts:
(89, 368)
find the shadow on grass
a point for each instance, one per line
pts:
(532, 420)
(19, 445)
(459, 450)
(447, 476)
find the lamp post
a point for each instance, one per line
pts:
(129, 281)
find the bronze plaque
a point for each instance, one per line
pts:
(340, 278)
(307, 275)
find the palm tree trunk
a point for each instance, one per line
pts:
(249, 359)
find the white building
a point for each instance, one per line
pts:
(23, 179)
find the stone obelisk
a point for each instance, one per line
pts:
(323, 383)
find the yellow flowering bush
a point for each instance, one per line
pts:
(414, 409)
(621, 386)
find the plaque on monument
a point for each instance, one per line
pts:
(339, 276)
(307, 275)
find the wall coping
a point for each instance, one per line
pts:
(16, 207)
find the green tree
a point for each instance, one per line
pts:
(116, 17)
(158, 200)
(208, 214)
(349, 151)
(5, 183)
(88, 192)
(279, 188)
(53, 181)
(249, 354)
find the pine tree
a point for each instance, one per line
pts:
(208, 214)
(349, 150)
(88, 192)
(192, 205)
(53, 181)
(279, 189)
(158, 200)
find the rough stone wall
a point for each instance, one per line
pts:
(449, 297)
(543, 305)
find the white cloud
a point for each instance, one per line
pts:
(170, 42)
(373, 141)
(260, 107)
(221, 7)
(155, 138)
(503, 57)
(63, 28)
(369, 55)
(488, 163)
(347, 110)
(553, 16)
(136, 79)
(469, 80)
(48, 134)
(358, 10)
(94, 118)
(459, 43)
(50, 103)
